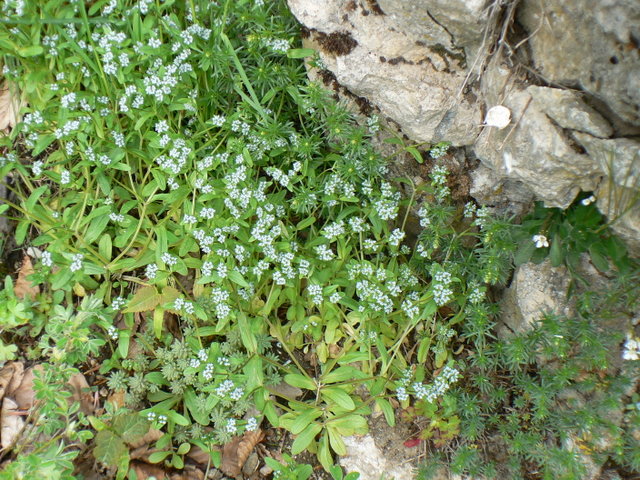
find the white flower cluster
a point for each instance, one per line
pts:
(588, 200)
(387, 205)
(440, 385)
(442, 294)
(315, 292)
(76, 263)
(159, 420)
(151, 270)
(631, 348)
(438, 150)
(65, 177)
(439, 181)
(117, 303)
(182, 305)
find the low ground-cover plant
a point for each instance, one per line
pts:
(209, 225)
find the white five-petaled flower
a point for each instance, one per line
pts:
(540, 241)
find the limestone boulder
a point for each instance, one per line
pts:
(534, 291)
(589, 44)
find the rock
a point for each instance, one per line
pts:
(592, 469)
(506, 197)
(622, 208)
(619, 158)
(535, 152)
(567, 109)
(590, 44)
(365, 457)
(413, 80)
(464, 21)
(534, 291)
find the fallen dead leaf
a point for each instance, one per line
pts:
(198, 455)
(79, 387)
(116, 398)
(16, 380)
(9, 106)
(11, 423)
(236, 452)
(190, 472)
(24, 394)
(10, 377)
(146, 470)
(151, 436)
(23, 287)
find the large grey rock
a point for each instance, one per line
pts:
(415, 82)
(619, 158)
(537, 153)
(566, 108)
(365, 457)
(534, 291)
(506, 197)
(590, 44)
(464, 20)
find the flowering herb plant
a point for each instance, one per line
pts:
(232, 224)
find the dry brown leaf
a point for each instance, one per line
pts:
(16, 380)
(190, 472)
(10, 105)
(116, 398)
(23, 287)
(146, 470)
(236, 452)
(285, 390)
(151, 436)
(11, 423)
(199, 456)
(24, 394)
(79, 387)
(10, 377)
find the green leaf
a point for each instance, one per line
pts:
(525, 252)
(246, 335)
(338, 396)
(305, 223)
(109, 448)
(304, 419)
(305, 438)
(177, 418)
(21, 232)
(598, 259)
(124, 338)
(105, 247)
(555, 253)
(237, 278)
(33, 198)
(324, 454)
(415, 154)
(345, 373)
(157, 457)
(387, 409)
(158, 321)
(145, 299)
(336, 442)
(300, 381)
(30, 51)
(300, 52)
(131, 427)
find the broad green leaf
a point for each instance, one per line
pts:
(336, 442)
(555, 253)
(177, 418)
(345, 373)
(300, 52)
(158, 321)
(246, 335)
(300, 381)
(144, 300)
(599, 261)
(157, 457)
(305, 438)
(105, 247)
(109, 448)
(124, 338)
(131, 427)
(337, 396)
(386, 408)
(304, 419)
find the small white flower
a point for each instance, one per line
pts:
(65, 177)
(46, 259)
(540, 241)
(588, 201)
(76, 263)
